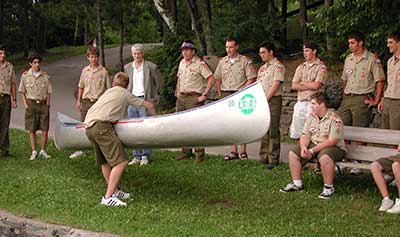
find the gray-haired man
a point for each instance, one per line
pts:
(145, 81)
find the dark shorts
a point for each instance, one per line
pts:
(37, 116)
(226, 93)
(335, 153)
(107, 146)
(387, 163)
(85, 106)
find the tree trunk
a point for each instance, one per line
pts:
(1, 20)
(328, 25)
(206, 23)
(86, 36)
(168, 11)
(76, 28)
(303, 19)
(100, 42)
(24, 11)
(121, 33)
(284, 23)
(196, 25)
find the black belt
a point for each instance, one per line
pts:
(91, 100)
(354, 94)
(139, 96)
(38, 101)
(192, 93)
(2, 95)
(230, 91)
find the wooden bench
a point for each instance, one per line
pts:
(380, 144)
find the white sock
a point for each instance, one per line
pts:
(298, 182)
(328, 185)
(41, 151)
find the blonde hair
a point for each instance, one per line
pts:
(121, 79)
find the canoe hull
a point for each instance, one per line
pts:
(243, 117)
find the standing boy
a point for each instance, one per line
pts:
(35, 89)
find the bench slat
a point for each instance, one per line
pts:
(368, 153)
(372, 135)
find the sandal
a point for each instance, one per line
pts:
(231, 156)
(243, 156)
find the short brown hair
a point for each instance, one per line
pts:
(121, 79)
(92, 51)
(320, 97)
(34, 56)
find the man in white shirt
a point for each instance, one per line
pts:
(145, 81)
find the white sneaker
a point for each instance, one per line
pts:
(43, 154)
(393, 183)
(386, 204)
(144, 161)
(355, 171)
(135, 161)
(291, 187)
(327, 192)
(76, 154)
(33, 155)
(121, 194)
(112, 201)
(396, 207)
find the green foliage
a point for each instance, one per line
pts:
(170, 198)
(375, 18)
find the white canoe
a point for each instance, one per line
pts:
(243, 117)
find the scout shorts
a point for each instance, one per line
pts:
(335, 153)
(37, 116)
(107, 146)
(387, 162)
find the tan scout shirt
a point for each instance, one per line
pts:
(271, 72)
(7, 77)
(234, 75)
(361, 75)
(328, 127)
(393, 78)
(111, 106)
(306, 72)
(193, 75)
(35, 88)
(94, 82)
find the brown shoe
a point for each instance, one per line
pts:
(181, 157)
(199, 159)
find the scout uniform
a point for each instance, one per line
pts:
(193, 78)
(234, 73)
(94, 83)
(109, 108)
(361, 76)
(306, 72)
(269, 73)
(7, 78)
(319, 130)
(36, 87)
(391, 112)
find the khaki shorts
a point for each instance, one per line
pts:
(387, 162)
(85, 106)
(226, 93)
(107, 146)
(335, 153)
(37, 116)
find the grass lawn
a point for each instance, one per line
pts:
(216, 198)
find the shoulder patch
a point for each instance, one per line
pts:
(279, 68)
(375, 56)
(338, 123)
(324, 68)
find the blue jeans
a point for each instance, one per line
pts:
(134, 112)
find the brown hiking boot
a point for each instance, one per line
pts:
(199, 159)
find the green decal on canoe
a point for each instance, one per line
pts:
(247, 104)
